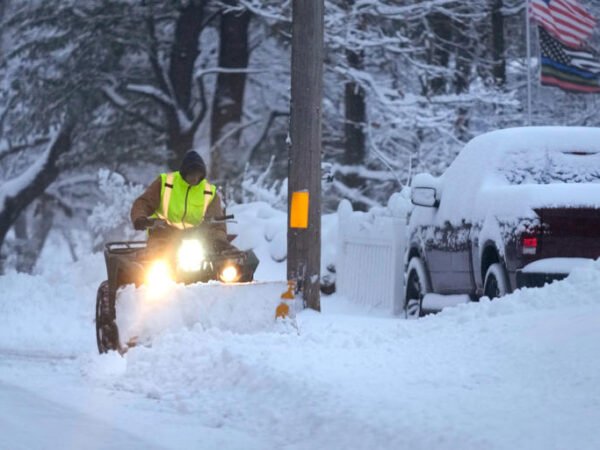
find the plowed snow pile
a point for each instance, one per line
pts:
(522, 372)
(53, 313)
(242, 308)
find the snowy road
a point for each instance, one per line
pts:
(45, 405)
(33, 422)
(519, 373)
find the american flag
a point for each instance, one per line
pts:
(574, 70)
(567, 20)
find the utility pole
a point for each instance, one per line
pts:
(304, 181)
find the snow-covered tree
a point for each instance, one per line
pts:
(137, 83)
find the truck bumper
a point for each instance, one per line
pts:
(532, 279)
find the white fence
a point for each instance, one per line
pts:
(370, 255)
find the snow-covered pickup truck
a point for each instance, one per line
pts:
(517, 207)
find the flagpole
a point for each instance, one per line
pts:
(528, 33)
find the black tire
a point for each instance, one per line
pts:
(416, 287)
(496, 281)
(107, 333)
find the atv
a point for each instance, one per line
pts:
(170, 254)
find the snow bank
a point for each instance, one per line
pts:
(555, 265)
(579, 289)
(518, 372)
(494, 374)
(51, 313)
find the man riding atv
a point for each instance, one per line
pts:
(183, 200)
(187, 242)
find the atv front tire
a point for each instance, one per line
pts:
(107, 333)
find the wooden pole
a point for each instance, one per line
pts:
(304, 181)
(528, 65)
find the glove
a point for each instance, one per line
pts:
(142, 223)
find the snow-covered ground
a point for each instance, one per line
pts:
(518, 373)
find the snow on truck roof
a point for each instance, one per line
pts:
(543, 138)
(512, 171)
(530, 155)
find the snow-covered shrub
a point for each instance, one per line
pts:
(259, 188)
(110, 217)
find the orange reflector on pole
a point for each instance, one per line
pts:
(299, 210)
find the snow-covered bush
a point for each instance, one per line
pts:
(110, 217)
(260, 188)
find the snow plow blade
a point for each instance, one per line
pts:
(141, 315)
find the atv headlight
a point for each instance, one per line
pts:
(190, 255)
(229, 274)
(158, 278)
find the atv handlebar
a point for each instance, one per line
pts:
(161, 223)
(155, 224)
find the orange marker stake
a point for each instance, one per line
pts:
(283, 309)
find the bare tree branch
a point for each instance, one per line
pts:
(7, 149)
(232, 132)
(201, 114)
(202, 73)
(153, 93)
(272, 116)
(11, 103)
(117, 102)
(19, 193)
(153, 55)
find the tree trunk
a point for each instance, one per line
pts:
(20, 230)
(17, 202)
(439, 51)
(463, 46)
(228, 100)
(41, 224)
(355, 112)
(184, 52)
(499, 61)
(355, 118)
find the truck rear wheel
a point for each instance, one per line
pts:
(417, 285)
(496, 281)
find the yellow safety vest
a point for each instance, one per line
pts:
(182, 205)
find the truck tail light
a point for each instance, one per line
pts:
(530, 244)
